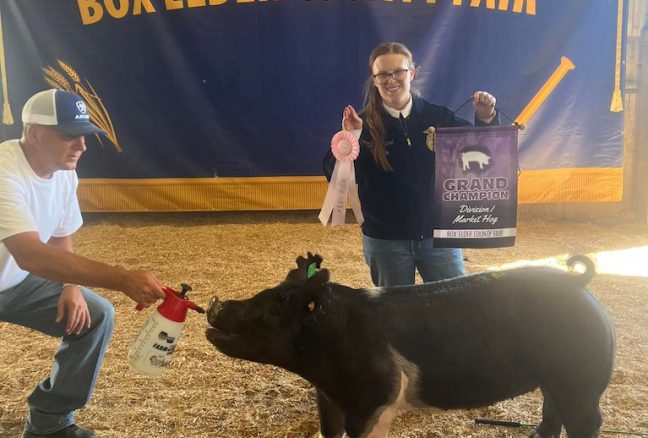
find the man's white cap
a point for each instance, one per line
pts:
(61, 110)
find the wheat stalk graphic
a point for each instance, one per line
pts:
(56, 79)
(69, 71)
(68, 79)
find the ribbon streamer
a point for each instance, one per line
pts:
(342, 187)
(7, 118)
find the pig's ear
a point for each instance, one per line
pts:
(315, 287)
(295, 276)
(317, 259)
(305, 266)
(304, 262)
(318, 280)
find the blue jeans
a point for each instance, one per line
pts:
(32, 303)
(394, 262)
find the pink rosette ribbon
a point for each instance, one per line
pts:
(342, 187)
(344, 146)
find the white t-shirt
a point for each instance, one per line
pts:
(31, 203)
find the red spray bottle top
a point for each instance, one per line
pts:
(175, 305)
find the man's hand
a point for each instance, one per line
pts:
(73, 307)
(143, 288)
(350, 119)
(484, 104)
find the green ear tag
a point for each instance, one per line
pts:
(312, 269)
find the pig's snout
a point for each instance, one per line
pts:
(215, 306)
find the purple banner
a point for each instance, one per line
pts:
(475, 190)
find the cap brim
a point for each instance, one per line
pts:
(79, 129)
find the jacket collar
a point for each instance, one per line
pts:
(405, 112)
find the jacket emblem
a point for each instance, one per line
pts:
(431, 137)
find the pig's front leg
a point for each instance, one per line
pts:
(331, 418)
(364, 425)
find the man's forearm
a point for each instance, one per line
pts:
(73, 268)
(57, 261)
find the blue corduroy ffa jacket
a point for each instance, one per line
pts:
(398, 204)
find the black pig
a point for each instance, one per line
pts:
(460, 343)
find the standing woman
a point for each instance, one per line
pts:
(395, 170)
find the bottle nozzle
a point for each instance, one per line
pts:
(185, 288)
(198, 309)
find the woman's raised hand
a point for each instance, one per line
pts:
(350, 119)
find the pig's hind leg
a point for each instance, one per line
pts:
(579, 411)
(551, 424)
(330, 416)
(584, 421)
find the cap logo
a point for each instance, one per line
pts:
(81, 106)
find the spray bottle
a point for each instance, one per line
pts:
(151, 351)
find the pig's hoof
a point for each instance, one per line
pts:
(535, 433)
(319, 435)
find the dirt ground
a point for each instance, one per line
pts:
(235, 255)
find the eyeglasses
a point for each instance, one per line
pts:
(398, 75)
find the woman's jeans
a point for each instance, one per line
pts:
(394, 262)
(32, 303)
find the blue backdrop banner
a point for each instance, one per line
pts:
(245, 88)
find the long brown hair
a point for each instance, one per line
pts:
(372, 102)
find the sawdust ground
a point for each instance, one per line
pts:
(234, 255)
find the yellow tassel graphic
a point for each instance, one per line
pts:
(617, 104)
(7, 118)
(565, 66)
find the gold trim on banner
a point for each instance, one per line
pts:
(202, 194)
(307, 192)
(7, 118)
(617, 103)
(570, 185)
